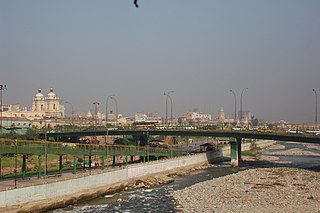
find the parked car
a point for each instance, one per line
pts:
(294, 131)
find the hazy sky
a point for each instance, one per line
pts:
(87, 50)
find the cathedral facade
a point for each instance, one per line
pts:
(49, 106)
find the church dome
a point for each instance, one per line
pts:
(51, 95)
(39, 95)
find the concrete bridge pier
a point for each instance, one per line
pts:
(113, 161)
(74, 165)
(24, 166)
(60, 164)
(235, 152)
(102, 162)
(39, 166)
(239, 145)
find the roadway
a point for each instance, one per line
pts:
(199, 133)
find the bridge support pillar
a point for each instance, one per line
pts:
(90, 161)
(126, 160)
(60, 164)
(102, 162)
(239, 143)
(132, 158)
(74, 165)
(24, 166)
(113, 161)
(39, 166)
(234, 152)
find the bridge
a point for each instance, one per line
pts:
(43, 148)
(235, 137)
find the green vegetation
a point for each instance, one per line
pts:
(249, 153)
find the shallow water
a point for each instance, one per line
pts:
(154, 199)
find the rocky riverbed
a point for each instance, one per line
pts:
(274, 189)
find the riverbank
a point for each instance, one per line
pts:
(41, 198)
(143, 182)
(273, 189)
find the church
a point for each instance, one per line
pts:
(49, 106)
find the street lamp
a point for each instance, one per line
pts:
(241, 103)
(316, 113)
(2, 87)
(115, 100)
(235, 105)
(110, 96)
(72, 111)
(167, 94)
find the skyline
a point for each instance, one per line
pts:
(88, 51)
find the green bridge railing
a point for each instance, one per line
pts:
(76, 149)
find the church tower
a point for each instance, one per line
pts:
(53, 105)
(221, 115)
(39, 103)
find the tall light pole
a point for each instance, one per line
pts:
(116, 102)
(72, 111)
(235, 105)
(167, 94)
(241, 103)
(2, 87)
(316, 113)
(110, 96)
(95, 111)
(107, 137)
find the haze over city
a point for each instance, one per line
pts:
(87, 50)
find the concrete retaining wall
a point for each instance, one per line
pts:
(69, 187)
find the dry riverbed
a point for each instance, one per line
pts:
(274, 189)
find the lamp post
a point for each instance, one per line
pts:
(107, 137)
(241, 103)
(316, 112)
(2, 87)
(107, 109)
(167, 94)
(72, 111)
(95, 111)
(116, 102)
(235, 105)
(16, 163)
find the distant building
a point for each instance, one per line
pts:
(246, 117)
(49, 106)
(221, 116)
(146, 117)
(198, 116)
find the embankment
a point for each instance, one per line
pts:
(41, 198)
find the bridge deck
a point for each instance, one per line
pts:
(206, 133)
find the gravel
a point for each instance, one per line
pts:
(255, 190)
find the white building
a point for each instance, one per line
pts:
(42, 107)
(198, 116)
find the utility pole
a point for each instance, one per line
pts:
(2, 87)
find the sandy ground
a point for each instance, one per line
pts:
(279, 188)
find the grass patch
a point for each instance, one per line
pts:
(248, 153)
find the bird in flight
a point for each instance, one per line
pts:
(136, 3)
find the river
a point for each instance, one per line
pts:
(156, 199)
(153, 199)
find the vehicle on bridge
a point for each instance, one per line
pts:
(294, 131)
(313, 131)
